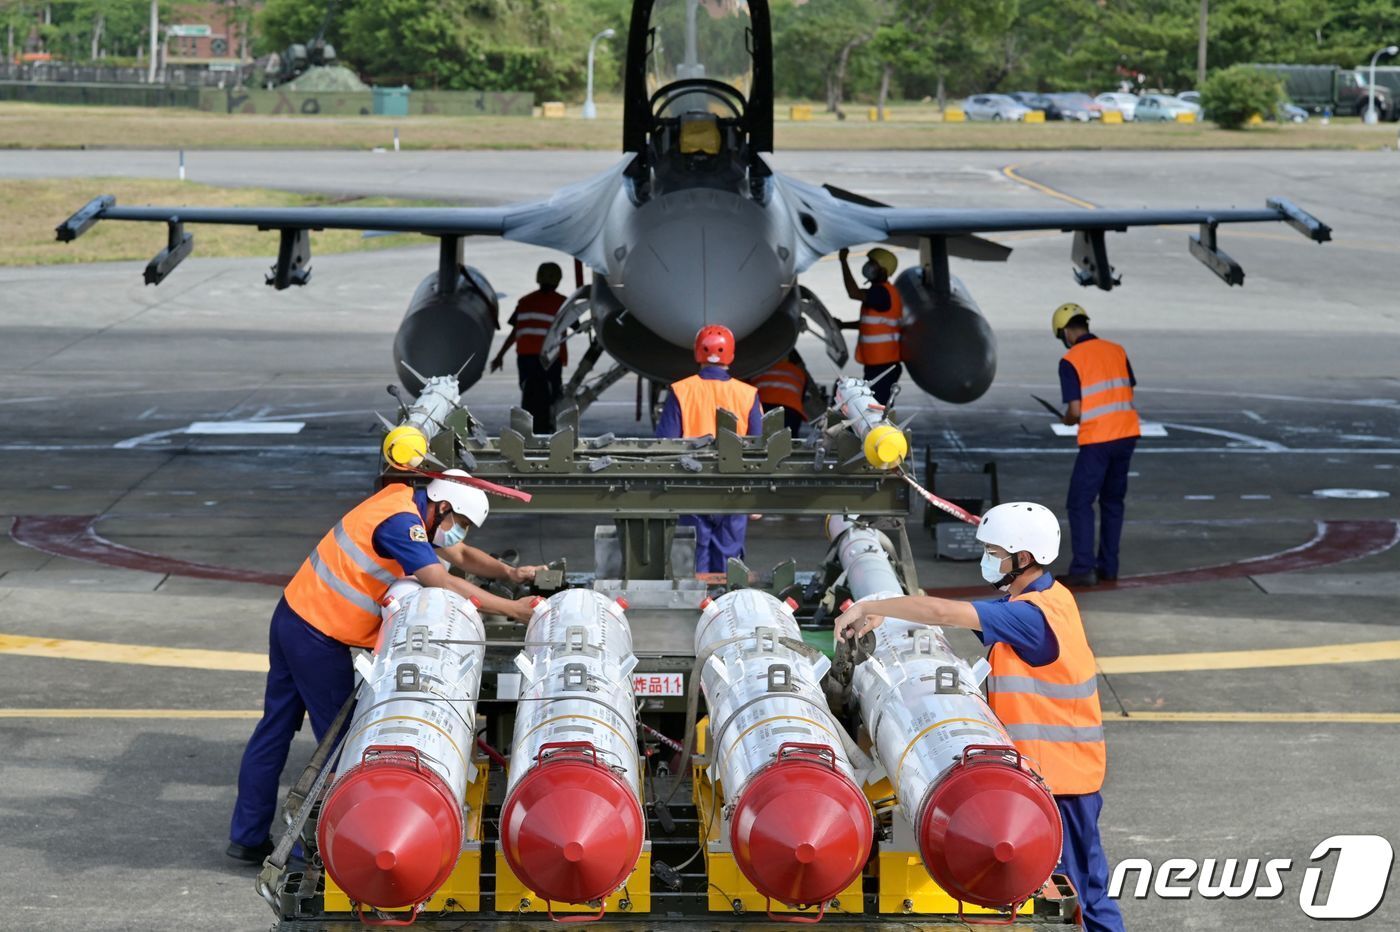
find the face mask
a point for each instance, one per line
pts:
(991, 568)
(449, 537)
(869, 271)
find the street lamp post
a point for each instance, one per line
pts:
(1371, 116)
(590, 111)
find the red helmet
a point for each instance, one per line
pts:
(714, 345)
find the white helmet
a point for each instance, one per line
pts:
(469, 502)
(1018, 526)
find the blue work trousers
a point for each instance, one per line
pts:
(717, 538)
(308, 673)
(1083, 861)
(1100, 472)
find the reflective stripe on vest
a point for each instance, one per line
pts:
(534, 314)
(1106, 391)
(1052, 712)
(338, 587)
(700, 398)
(878, 344)
(782, 385)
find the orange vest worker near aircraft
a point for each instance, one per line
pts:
(1044, 680)
(782, 385)
(540, 386)
(881, 310)
(1096, 384)
(690, 412)
(332, 605)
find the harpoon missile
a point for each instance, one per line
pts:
(885, 445)
(406, 444)
(988, 829)
(800, 827)
(390, 830)
(572, 825)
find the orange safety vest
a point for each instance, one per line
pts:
(782, 384)
(1105, 391)
(879, 332)
(701, 398)
(1052, 712)
(338, 587)
(533, 315)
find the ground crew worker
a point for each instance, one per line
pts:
(540, 385)
(1043, 684)
(1096, 384)
(332, 605)
(783, 385)
(690, 411)
(881, 311)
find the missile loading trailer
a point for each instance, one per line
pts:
(673, 751)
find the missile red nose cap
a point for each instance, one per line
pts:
(571, 830)
(801, 832)
(990, 833)
(390, 832)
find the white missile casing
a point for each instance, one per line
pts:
(799, 826)
(987, 828)
(572, 826)
(391, 827)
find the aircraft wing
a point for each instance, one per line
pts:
(831, 220)
(570, 220)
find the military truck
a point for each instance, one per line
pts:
(1320, 87)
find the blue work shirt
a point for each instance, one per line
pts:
(670, 423)
(1021, 625)
(404, 539)
(1069, 378)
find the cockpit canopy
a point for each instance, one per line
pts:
(699, 78)
(699, 39)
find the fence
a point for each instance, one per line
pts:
(175, 75)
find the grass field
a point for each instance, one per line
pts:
(32, 208)
(37, 126)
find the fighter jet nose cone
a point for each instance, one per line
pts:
(390, 833)
(990, 833)
(801, 832)
(571, 830)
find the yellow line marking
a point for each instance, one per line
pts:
(130, 713)
(1331, 718)
(104, 652)
(1322, 654)
(1010, 172)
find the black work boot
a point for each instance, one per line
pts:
(253, 854)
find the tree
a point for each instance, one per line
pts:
(1236, 94)
(813, 44)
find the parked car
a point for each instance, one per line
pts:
(995, 107)
(1125, 104)
(1076, 106)
(1159, 108)
(1036, 101)
(1191, 97)
(1291, 113)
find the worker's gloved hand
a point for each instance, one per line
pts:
(521, 609)
(857, 621)
(524, 574)
(496, 364)
(843, 255)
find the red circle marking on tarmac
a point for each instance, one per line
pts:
(75, 537)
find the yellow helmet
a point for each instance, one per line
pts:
(1064, 314)
(884, 259)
